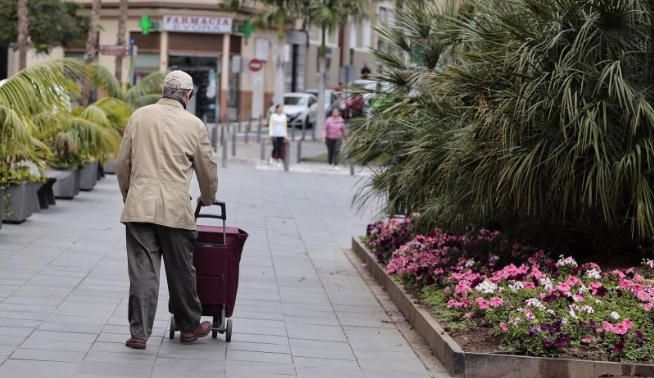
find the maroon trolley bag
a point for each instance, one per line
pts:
(216, 257)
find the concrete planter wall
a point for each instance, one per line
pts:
(487, 365)
(110, 167)
(77, 176)
(2, 205)
(89, 176)
(66, 185)
(20, 204)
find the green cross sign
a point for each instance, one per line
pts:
(145, 24)
(246, 28)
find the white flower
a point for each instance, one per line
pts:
(535, 303)
(649, 263)
(594, 274)
(568, 261)
(470, 263)
(516, 286)
(564, 321)
(572, 313)
(587, 309)
(582, 289)
(546, 283)
(614, 315)
(550, 311)
(486, 287)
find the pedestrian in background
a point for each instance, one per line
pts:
(278, 131)
(163, 145)
(334, 133)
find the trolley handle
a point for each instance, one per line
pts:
(222, 215)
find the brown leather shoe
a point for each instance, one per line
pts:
(135, 343)
(201, 331)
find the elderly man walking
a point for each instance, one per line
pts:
(162, 146)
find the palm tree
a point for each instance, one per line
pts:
(32, 91)
(540, 122)
(23, 33)
(330, 15)
(120, 38)
(91, 47)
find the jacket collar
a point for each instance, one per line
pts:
(170, 102)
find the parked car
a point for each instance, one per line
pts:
(331, 99)
(300, 108)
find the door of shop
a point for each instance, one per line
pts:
(203, 70)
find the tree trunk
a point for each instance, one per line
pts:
(120, 39)
(23, 33)
(278, 94)
(91, 49)
(320, 113)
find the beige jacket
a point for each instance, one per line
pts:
(162, 146)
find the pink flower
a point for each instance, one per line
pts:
(482, 303)
(578, 298)
(619, 329)
(458, 304)
(504, 328)
(588, 340)
(496, 302)
(468, 315)
(597, 288)
(648, 306)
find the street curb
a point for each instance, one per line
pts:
(486, 365)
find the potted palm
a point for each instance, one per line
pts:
(145, 92)
(22, 96)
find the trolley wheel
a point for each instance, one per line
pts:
(214, 334)
(173, 327)
(228, 331)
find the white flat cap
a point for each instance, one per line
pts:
(178, 80)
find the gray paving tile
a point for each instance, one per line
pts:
(175, 368)
(36, 369)
(47, 355)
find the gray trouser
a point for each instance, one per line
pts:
(146, 244)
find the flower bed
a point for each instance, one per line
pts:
(496, 295)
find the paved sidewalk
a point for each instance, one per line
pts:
(302, 308)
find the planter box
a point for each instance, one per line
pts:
(487, 365)
(20, 204)
(33, 193)
(88, 176)
(65, 186)
(109, 167)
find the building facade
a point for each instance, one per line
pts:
(231, 61)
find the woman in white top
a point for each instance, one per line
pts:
(278, 131)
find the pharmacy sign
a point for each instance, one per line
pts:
(197, 24)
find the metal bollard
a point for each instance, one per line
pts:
(222, 133)
(313, 133)
(304, 131)
(262, 142)
(214, 137)
(259, 129)
(238, 122)
(287, 156)
(224, 154)
(351, 168)
(247, 131)
(234, 142)
(299, 151)
(293, 133)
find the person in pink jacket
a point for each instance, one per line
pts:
(334, 133)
